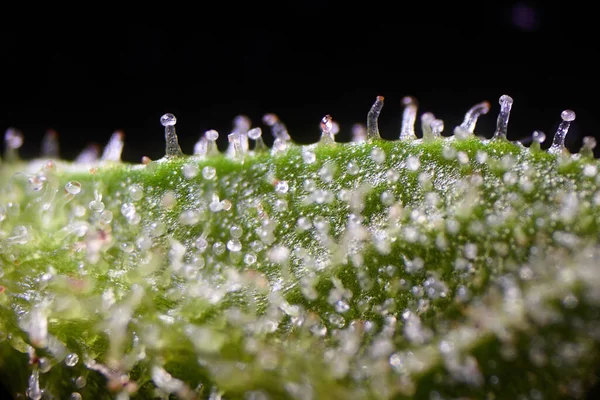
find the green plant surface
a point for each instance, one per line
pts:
(437, 268)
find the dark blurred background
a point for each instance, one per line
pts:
(86, 71)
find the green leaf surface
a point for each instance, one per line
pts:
(432, 269)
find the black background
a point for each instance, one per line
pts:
(86, 76)
(89, 71)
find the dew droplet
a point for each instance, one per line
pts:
(73, 187)
(538, 137)
(236, 232)
(327, 171)
(168, 199)
(172, 148)
(218, 248)
(387, 198)
(36, 182)
(409, 115)
(215, 205)
(392, 176)
(280, 205)
(80, 382)
(590, 170)
(481, 157)
(50, 144)
(201, 244)
(309, 156)
(309, 185)
(128, 210)
(352, 168)
(558, 144)
(249, 258)
(114, 148)
(413, 163)
(96, 205)
(373, 117)
(136, 192)
(189, 217)
(71, 360)
(208, 172)
(190, 171)
(75, 396)
(156, 229)
(281, 187)
(467, 127)
(506, 103)
(326, 130)
(234, 245)
(106, 216)
(377, 155)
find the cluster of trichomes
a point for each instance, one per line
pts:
(438, 267)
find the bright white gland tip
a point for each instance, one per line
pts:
(172, 148)
(168, 120)
(568, 115)
(373, 119)
(255, 133)
(409, 115)
(437, 126)
(211, 136)
(506, 103)
(73, 187)
(538, 137)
